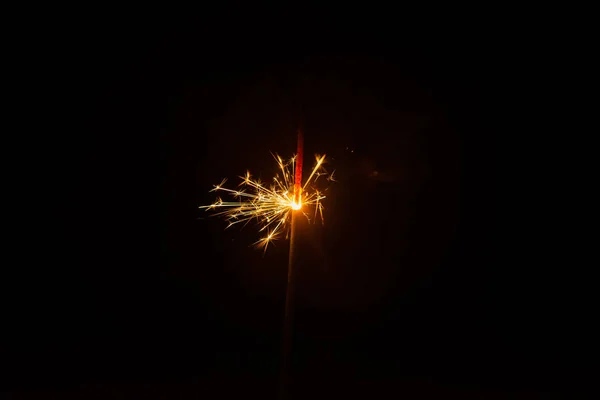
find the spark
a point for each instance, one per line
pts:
(271, 206)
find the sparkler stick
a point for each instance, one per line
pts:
(277, 208)
(287, 334)
(298, 172)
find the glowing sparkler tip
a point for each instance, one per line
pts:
(270, 205)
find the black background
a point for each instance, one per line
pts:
(448, 272)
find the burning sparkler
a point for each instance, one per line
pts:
(276, 208)
(272, 206)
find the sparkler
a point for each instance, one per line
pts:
(276, 208)
(272, 206)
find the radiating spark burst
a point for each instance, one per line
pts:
(272, 206)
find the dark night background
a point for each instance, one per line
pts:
(444, 267)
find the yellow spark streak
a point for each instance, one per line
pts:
(315, 169)
(270, 206)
